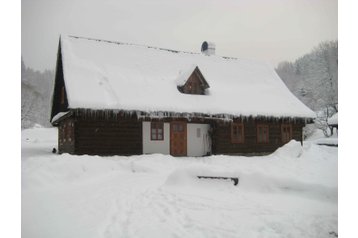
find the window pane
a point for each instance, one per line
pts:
(160, 134)
(154, 136)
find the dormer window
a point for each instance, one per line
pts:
(192, 82)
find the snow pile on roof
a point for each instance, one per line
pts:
(184, 75)
(59, 115)
(108, 75)
(333, 120)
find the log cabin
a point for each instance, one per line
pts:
(113, 98)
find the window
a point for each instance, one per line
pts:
(262, 134)
(286, 132)
(157, 131)
(178, 127)
(237, 133)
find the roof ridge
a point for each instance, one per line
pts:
(148, 46)
(125, 43)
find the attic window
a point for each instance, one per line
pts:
(192, 82)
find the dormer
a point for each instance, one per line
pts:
(192, 82)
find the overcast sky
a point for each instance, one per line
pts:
(269, 30)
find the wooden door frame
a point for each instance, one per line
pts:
(184, 123)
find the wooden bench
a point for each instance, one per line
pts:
(234, 179)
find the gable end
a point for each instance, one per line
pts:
(59, 96)
(195, 84)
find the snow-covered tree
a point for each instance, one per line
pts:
(313, 78)
(36, 90)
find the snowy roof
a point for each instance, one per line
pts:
(110, 75)
(333, 120)
(60, 115)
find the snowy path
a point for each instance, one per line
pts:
(287, 194)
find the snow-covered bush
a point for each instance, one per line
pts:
(321, 121)
(308, 130)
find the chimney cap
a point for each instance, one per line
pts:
(208, 48)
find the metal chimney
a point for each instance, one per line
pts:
(208, 48)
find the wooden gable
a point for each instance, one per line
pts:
(195, 84)
(59, 97)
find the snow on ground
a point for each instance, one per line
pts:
(290, 193)
(319, 138)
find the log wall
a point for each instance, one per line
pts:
(108, 137)
(117, 133)
(66, 136)
(222, 143)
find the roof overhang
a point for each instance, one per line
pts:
(60, 116)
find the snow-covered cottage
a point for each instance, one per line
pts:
(114, 98)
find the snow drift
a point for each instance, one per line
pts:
(290, 193)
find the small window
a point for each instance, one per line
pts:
(262, 134)
(157, 131)
(177, 127)
(237, 133)
(286, 132)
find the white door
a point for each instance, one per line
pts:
(198, 138)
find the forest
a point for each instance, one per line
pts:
(36, 92)
(313, 78)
